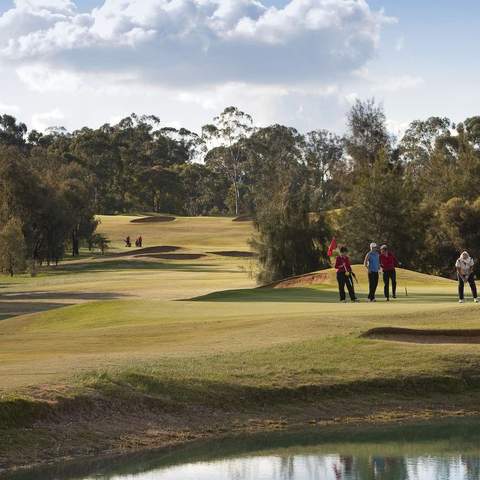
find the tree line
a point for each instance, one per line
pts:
(418, 193)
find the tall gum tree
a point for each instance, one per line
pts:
(227, 134)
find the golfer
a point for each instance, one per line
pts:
(344, 275)
(372, 263)
(388, 262)
(464, 266)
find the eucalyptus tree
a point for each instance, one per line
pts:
(12, 247)
(273, 155)
(12, 133)
(472, 126)
(324, 159)
(367, 135)
(205, 191)
(419, 143)
(227, 135)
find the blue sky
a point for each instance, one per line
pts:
(302, 63)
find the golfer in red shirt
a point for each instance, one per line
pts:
(388, 262)
(344, 275)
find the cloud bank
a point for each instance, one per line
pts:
(184, 42)
(185, 60)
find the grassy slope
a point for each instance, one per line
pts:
(200, 233)
(236, 347)
(274, 332)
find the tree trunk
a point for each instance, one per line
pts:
(75, 244)
(235, 188)
(33, 268)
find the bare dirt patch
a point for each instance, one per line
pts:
(234, 253)
(301, 280)
(432, 336)
(155, 219)
(148, 250)
(174, 256)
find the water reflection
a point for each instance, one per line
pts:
(446, 451)
(315, 467)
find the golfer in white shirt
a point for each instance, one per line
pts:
(464, 266)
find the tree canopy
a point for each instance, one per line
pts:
(418, 194)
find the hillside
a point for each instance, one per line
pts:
(137, 341)
(327, 278)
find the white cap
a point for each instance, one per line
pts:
(373, 245)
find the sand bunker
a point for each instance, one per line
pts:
(412, 335)
(174, 256)
(301, 280)
(148, 250)
(243, 218)
(155, 219)
(234, 253)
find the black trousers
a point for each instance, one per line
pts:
(372, 284)
(388, 276)
(345, 280)
(461, 286)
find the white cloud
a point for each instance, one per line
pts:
(394, 84)
(351, 97)
(41, 121)
(196, 41)
(304, 108)
(11, 109)
(397, 128)
(302, 64)
(40, 78)
(380, 83)
(49, 5)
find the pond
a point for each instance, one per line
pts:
(448, 450)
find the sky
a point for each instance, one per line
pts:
(302, 63)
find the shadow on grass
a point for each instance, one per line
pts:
(175, 393)
(15, 309)
(34, 302)
(310, 295)
(113, 265)
(61, 296)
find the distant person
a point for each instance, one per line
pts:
(464, 266)
(128, 242)
(140, 241)
(388, 262)
(344, 275)
(372, 263)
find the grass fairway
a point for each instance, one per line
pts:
(174, 336)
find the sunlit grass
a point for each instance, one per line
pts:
(197, 330)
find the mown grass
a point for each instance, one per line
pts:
(122, 335)
(193, 232)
